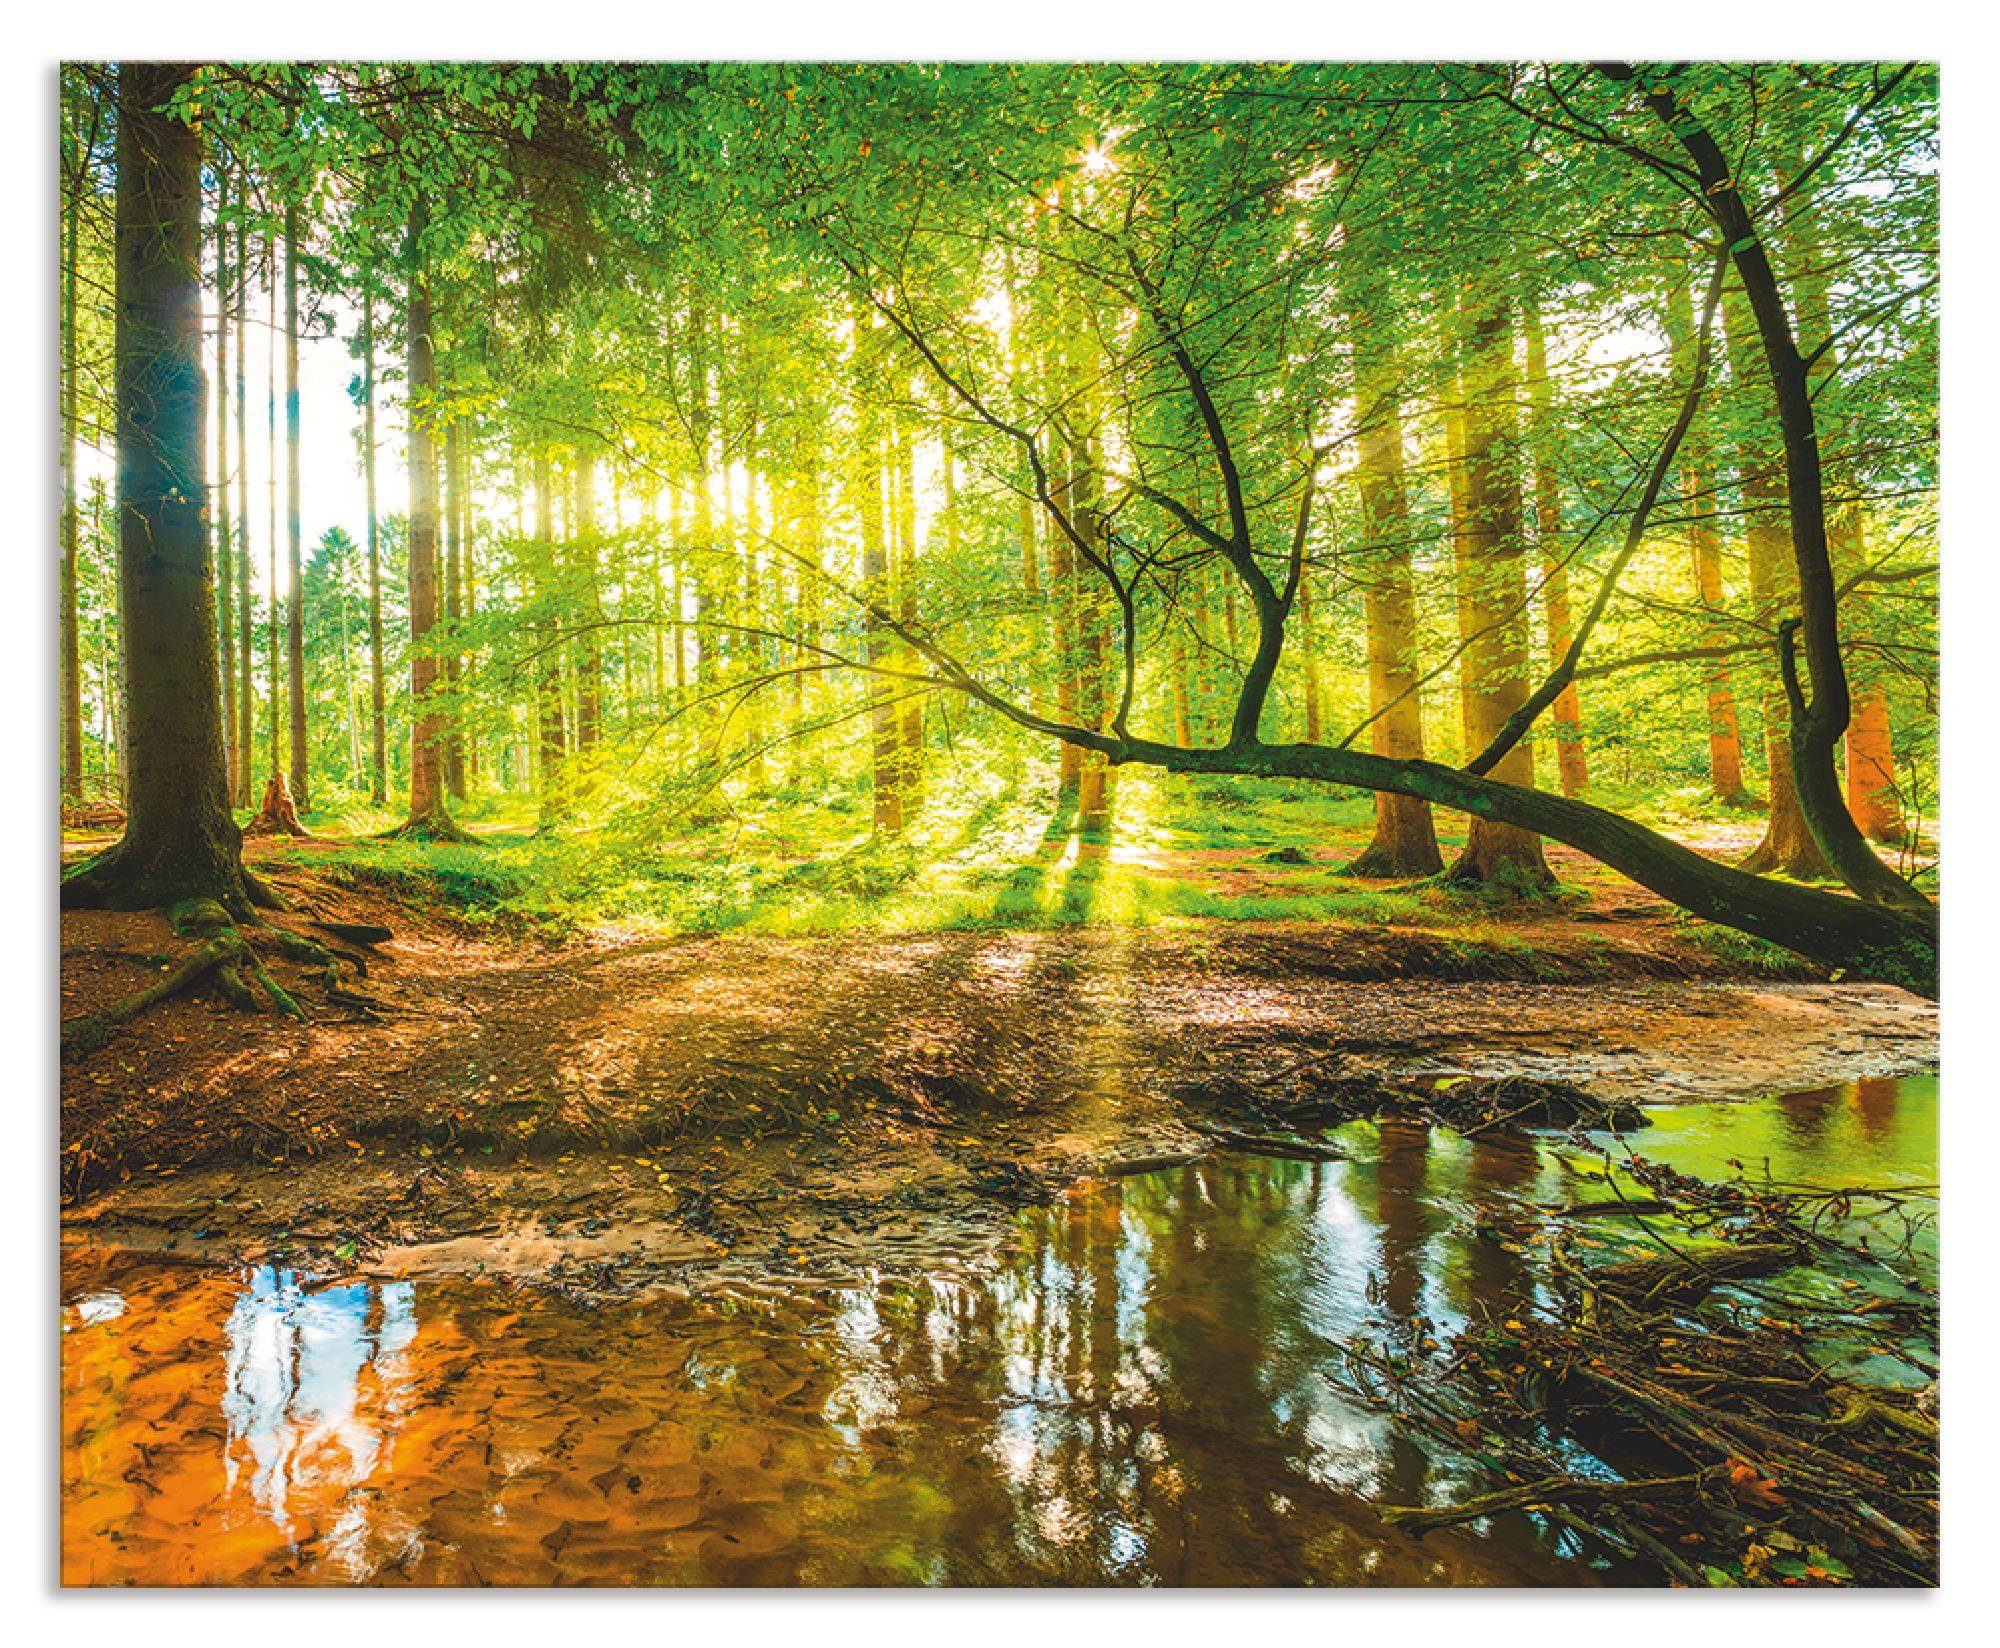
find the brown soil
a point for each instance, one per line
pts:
(742, 1107)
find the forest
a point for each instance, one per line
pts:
(689, 688)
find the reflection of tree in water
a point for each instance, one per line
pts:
(1497, 1277)
(296, 1401)
(1875, 1106)
(1808, 1115)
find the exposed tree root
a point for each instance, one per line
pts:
(230, 954)
(223, 951)
(1380, 863)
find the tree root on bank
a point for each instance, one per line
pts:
(229, 954)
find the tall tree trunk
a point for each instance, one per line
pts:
(1870, 759)
(1405, 840)
(754, 771)
(430, 812)
(1093, 801)
(905, 579)
(1183, 702)
(552, 729)
(465, 728)
(1308, 653)
(1566, 714)
(1788, 847)
(1063, 626)
(70, 650)
(1725, 739)
(870, 477)
(590, 653)
(295, 616)
(1820, 717)
(246, 619)
(274, 660)
(378, 688)
(224, 549)
(180, 841)
(1495, 669)
(1871, 768)
(454, 603)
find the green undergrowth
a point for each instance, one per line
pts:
(1743, 951)
(986, 850)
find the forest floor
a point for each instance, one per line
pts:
(613, 1109)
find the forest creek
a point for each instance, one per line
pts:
(999, 823)
(912, 1202)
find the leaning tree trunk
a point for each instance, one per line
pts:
(1495, 668)
(1819, 716)
(180, 842)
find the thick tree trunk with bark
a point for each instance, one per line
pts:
(1495, 668)
(904, 576)
(552, 731)
(1788, 847)
(180, 841)
(1871, 769)
(869, 480)
(1405, 841)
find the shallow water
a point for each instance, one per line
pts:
(1138, 1395)
(1876, 1132)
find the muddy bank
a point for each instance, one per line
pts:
(727, 1113)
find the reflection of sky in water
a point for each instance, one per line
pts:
(93, 1308)
(293, 1385)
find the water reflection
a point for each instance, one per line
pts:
(1138, 1396)
(314, 1387)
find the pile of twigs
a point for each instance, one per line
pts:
(1670, 1410)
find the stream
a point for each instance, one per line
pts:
(1138, 1393)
